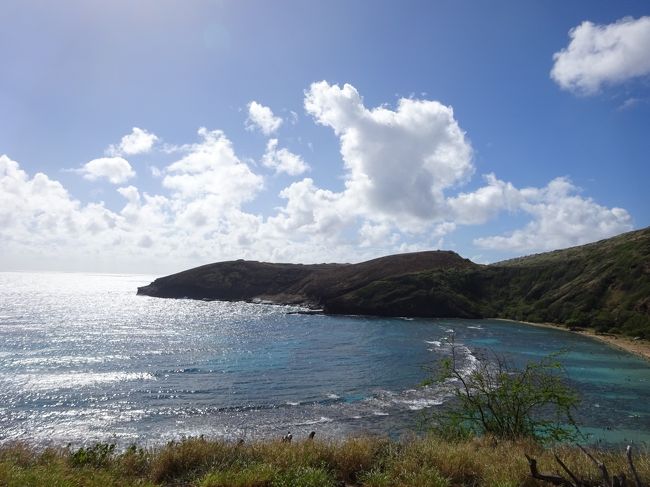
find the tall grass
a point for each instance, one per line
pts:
(371, 462)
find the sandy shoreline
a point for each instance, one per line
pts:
(640, 348)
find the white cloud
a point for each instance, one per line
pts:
(630, 103)
(139, 141)
(601, 55)
(561, 218)
(115, 169)
(211, 167)
(282, 160)
(401, 169)
(399, 163)
(485, 203)
(39, 214)
(262, 118)
(379, 234)
(311, 210)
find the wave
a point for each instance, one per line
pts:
(182, 370)
(418, 404)
(472, 362)
(321, 420)
(72, 380)
(65, 360)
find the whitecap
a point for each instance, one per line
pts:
(437, 343)
(472, 361)
(322, 419)
(418, 404)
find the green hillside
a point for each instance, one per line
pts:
(605, 285)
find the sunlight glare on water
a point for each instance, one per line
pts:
(82, 359)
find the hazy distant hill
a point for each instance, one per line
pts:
(604, 284)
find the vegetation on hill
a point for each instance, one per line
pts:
(370, 462)
(605, 285)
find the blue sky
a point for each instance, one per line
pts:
(373, 130)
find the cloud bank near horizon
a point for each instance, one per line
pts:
(403, 169)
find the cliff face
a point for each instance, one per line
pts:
(605, 284)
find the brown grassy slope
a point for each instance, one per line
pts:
(369, 462)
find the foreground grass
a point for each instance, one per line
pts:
(371, 462)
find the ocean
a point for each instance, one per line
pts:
(84, 359)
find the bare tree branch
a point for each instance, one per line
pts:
(575, 479)
(601, 466)
(628, 453)
(553, 479)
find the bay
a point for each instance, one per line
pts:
(83, 359)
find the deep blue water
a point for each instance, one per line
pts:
(82, 358)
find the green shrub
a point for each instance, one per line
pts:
(498, 400)
(376, 478)
(98, 455)
(256, 475)
(303, 477)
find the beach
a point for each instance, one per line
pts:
(640, 348)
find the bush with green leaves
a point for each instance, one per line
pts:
(96, 455)
(497, 399)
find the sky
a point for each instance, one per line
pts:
(157, 135)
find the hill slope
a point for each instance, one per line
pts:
(604, 284)
(294, 283)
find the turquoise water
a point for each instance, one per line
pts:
(82, 358)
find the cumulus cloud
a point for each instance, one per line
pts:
(262, 119)
(485, 203)
(282, 160)
(561, 218)
(39, 213)
(601, 55)
(311, 210)
(399, 162)
(115, 169)
(139, 141)
(211, 167)
(371, 235)
(402, 169)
